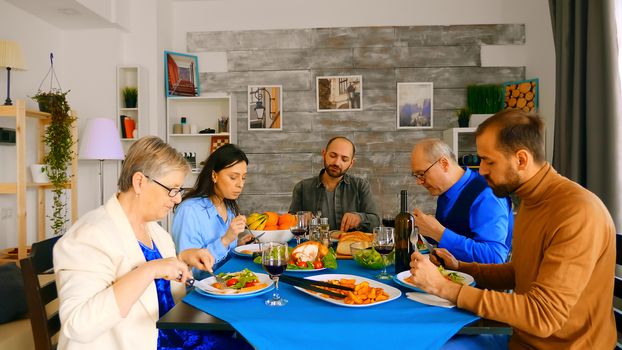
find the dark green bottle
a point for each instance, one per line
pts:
(404, 223)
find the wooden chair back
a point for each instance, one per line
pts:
(617, 290)
(45, 325)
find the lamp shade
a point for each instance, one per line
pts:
(11, 55)
(100, 140)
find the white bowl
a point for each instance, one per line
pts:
(281, 236)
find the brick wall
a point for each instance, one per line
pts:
(448, 56)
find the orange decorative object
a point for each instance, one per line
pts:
(271, 228)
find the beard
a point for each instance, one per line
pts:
(335, 171)
(512, 182)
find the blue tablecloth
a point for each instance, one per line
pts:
(307, 321)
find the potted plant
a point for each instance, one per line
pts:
(463, 117)
(58, 142)
(130, 96)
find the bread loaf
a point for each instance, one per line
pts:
(343, 247)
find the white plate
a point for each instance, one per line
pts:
(251, 247)
(393, 292)
(400, 279)
(204, 286)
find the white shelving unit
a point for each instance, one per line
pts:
(131, 76)
(461, 140)
(201, 112)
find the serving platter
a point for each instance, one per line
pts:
(401, 277)
(204, 287)
(393, 292)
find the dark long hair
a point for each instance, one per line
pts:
(224, 157)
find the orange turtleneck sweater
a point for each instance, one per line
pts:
(562, 270)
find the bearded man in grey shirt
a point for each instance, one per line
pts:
(345, 199)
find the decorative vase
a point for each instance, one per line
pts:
(38, 173)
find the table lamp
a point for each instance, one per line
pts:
(100, 140)
(10, 58)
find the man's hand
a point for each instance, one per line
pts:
(349, 221)
(426, 276)
(428, 225)
(449, 260)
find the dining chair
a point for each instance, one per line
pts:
(41, 294)
(617, 290)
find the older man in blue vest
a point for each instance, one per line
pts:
(470, 221)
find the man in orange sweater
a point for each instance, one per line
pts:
(563, 258)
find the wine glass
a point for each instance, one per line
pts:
(274, 258)
(388, 220)
(384, 242)
(302, 225)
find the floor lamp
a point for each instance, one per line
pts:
(100, 140)
(10, 58)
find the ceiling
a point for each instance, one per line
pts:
(64, 14)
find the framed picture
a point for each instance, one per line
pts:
(521, 94)
(264, 107)
(218, 141)
(342, 93)
(414, 105)
(181, 74)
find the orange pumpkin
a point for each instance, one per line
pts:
(270, 227)
(273, 218)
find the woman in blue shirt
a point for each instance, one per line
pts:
(209, 216)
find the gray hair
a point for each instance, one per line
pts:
(152, 157)
(434, 148)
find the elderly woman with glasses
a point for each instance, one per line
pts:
(209, 216)
(116, 268)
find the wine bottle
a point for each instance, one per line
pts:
(404, 223)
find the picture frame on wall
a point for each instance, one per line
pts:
(415, 105)
(339, 93)
(265, 107)
(181, 74)
(522, 94)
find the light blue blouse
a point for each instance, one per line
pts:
(196, 224)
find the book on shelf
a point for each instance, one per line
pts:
(128, 126)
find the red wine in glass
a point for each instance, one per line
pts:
(274, 268)
(274, 257)
(388, 222)
(298, 232)
(384, 249)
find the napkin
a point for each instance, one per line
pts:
(429, 299)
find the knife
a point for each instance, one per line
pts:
(432, 250)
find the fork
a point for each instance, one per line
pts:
(218, 278)
(256, 239)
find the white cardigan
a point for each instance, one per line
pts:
(98, 249)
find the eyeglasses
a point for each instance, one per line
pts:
(421, 177)
(172, 192)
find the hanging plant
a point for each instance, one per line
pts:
(58, 141)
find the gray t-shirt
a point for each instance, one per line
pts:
(328, 207)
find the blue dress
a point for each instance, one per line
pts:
(185, 339)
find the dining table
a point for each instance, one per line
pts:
(311, 321)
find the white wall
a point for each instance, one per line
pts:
(86, 59)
